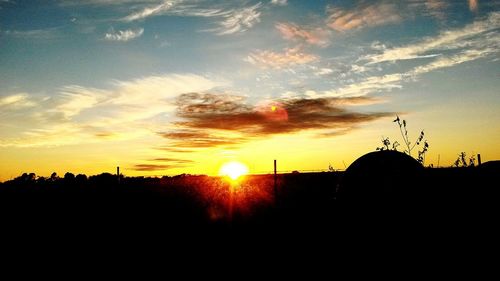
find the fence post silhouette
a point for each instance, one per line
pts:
(118, 173)
(479, 159)
(275, 183)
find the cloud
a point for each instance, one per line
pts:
(473, 5)
(367, 86)
(229, 20)
(473, 35)
(185, 134)
(189, 138)
(439, 9)
(172, 160)
(279, 2)
(78, 114)
(174, 150)
(173, 7)
(361, 17)
(384, 83)
(238, 20)
(209, 120)
(324, 71)
(227, 142)
(184, 137)
(104, 135)
(445, 62)
(317, 36)
(15, 101)
(124, 35)
(290, 57)
(153, 167)
(436, 8)
(155, 10)
(477, 40)
(42, 34)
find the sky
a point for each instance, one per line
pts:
(169, 87)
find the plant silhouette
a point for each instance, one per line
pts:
(406, 140)
(462, 160)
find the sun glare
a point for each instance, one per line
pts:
(234, 170)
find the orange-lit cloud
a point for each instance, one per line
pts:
(172, 160)
(167, 163)
(473, 4)
(316, 36)
(361, 17)
(191, 138)
(204, 112)
(174, 150)
(153, 167)
(290, 57)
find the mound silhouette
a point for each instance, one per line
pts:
(381, 177)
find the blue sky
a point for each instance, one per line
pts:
(150, 73)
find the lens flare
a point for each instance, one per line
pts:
(273, 111)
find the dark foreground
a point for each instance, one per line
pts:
(303, 202)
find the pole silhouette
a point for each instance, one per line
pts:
(275, 182)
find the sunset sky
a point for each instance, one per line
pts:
(170, 87)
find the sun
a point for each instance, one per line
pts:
(233, 169)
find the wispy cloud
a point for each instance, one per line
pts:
(279, 2)
(212, 141)
(155, 10)
(73, 99)
(47, 33)
(153, 167)
(176, 8)
(370, 85)
(477, 40)
(228, 20)
(361, 17)
(290, 57)
(323, 71)
(473, 35)
(166, 164)
(315, 36)
(239, 20)
(124, 35)
(172, 160)
(174, 150)
(449, 61)
(19, 100)
(78, 114)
